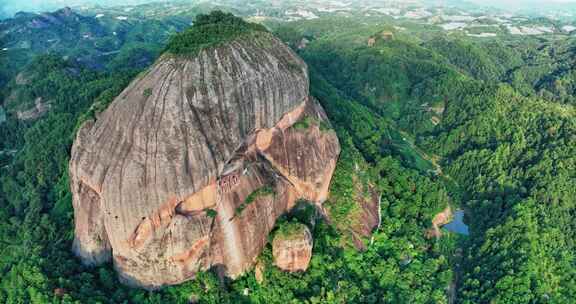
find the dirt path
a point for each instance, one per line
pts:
(432, 159)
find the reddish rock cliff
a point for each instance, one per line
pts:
(192, 164)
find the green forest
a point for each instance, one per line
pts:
(429, 120)
(210, 30)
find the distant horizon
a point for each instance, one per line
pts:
(10, 7)
(513, 4)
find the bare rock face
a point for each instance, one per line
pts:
(369, 217)
(192, 164)
(259, 272)
(364, 214)
(292, 248)
(438, 221)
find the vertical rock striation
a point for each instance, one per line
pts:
(191, 165)
(292, 251)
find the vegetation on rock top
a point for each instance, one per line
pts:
(262, 191)
(290, 231)
(307, 121)
(210, 30)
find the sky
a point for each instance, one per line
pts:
(9, 7)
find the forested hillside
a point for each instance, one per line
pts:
(514, 157)
(425, 119)
(507, 142)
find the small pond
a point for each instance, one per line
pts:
(457, 224)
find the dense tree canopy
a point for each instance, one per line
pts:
(210, 30)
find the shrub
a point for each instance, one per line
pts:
(262, 191)
(290, 230)
(325, 126)
(302, 124)
(305, 123)
(211, 213)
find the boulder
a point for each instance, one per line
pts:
(292, 247)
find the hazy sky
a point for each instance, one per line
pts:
(9, 7)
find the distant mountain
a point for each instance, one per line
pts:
(110, 43)
(92, 41)
(62, 29)
(9, 7)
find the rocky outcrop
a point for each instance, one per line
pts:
(303, 43)
(292, 248)
(40, 108)
(438, 221)
(357, 191)
(192, 164)
(371, 41)
(259, 272)
(369, 215)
